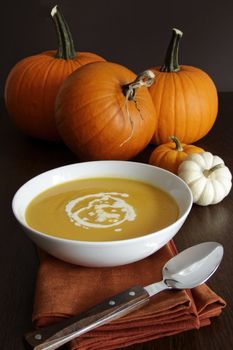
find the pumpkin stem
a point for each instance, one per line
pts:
(207, 173)
(179, 147)
(66, 49)
(171, 59)
(145, 79)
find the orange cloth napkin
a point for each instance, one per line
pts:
(64, 290)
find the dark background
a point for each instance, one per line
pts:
(132, 33)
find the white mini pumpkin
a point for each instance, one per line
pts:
(207, 177)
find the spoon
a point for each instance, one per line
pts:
(186, 270)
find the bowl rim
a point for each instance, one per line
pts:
(101, 243)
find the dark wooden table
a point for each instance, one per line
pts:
(23, 158)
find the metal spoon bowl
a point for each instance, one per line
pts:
(193, 267)
(190, 268)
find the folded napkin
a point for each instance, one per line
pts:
(64, 290)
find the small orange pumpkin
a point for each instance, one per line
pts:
(103, 111)
(170, 155)
(185, 99)
(33, 83)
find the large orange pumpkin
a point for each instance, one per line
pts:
(103, 111)
(33, 83)
(185, 98)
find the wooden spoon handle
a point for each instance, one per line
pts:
(52, 337)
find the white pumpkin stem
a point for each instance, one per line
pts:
(179, 147)
(145, 79)
(208, 172)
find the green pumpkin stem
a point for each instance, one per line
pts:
(179, 147)
(66, 49)
(171, 59)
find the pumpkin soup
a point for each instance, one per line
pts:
(101, 209)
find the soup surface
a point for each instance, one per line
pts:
(101, 209)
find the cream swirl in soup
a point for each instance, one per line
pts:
(100, 210)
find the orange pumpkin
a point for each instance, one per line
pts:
(185, 99)
(104, 111)
(33, 83)
(171, 154)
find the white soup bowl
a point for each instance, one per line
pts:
(111, 253)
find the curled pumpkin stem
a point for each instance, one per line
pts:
(145, 79)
